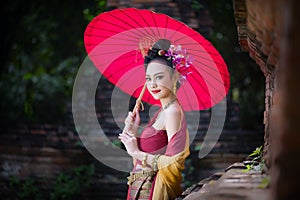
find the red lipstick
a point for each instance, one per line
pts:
(155, 91)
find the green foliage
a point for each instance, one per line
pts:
(46, 52)
(257, 162)
(34, 89)
(24, 189)
(197, 147)
(196, 5)
(90, 13)
(265, 182)
(68, 186)
(257, 153)
(188, 173)
(117, 143)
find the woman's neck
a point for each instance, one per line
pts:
(165, 102)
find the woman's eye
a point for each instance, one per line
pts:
(159, 77)
(148, 79)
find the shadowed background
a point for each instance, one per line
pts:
(40, 53)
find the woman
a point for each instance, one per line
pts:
(159, 152)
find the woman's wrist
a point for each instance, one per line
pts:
(146, 159)
(131, 131)
(138, 155)
(134, 132)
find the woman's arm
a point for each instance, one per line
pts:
(173, 124)
(130, 143)
(132, 123)
(173, 121)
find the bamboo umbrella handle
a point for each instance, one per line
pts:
(137, 105)
(139, 100)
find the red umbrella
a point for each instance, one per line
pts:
(116, 41)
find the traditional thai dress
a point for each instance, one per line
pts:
(164, 182)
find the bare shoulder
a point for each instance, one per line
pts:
(174, 113)
(173, 120)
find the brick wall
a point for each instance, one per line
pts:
(285, 118)
(258, 34)
(269, 31)
(43, 151)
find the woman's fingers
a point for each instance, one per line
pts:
(132, 122)
(129, 142)
(137, 117)
(129, 119)
(126, 137)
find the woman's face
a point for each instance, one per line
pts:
(159, 80)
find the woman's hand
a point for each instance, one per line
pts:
(129, 142)
(132, 123)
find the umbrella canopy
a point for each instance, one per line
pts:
(117, 40)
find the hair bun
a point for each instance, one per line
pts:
(163, 44)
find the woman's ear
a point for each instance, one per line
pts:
(176, 76)
(175, 80)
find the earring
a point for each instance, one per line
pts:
(174, 88)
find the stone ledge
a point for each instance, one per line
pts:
(234, 183)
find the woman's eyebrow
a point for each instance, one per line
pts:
(155, 74)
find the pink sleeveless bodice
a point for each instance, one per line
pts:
(156, 142)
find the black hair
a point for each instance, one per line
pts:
(162, 44)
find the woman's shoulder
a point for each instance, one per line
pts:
(174, 110)
(174, 116)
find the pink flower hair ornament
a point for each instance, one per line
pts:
(180, 59)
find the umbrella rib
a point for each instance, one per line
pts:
(205, 58)
(209, 52)
(95, 44)
(140, 24)
(104, 29)
(135, 71)
(95, 27)
(122, 64)
(187, 99)
(141, 33)
(204, 89)
(177, 30)
(218, 64)
(105, 37)
(212, 85)
(206, 81)
(213, 69)
(125, 21)
(145, 23)
(184, 37)
(107, 53)
(117, 25)
(126, 58)
(221, 64)
(165, 34)
(117, 43)
(214, 52)
(121, 69)
(218, 80)
(152, 15)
